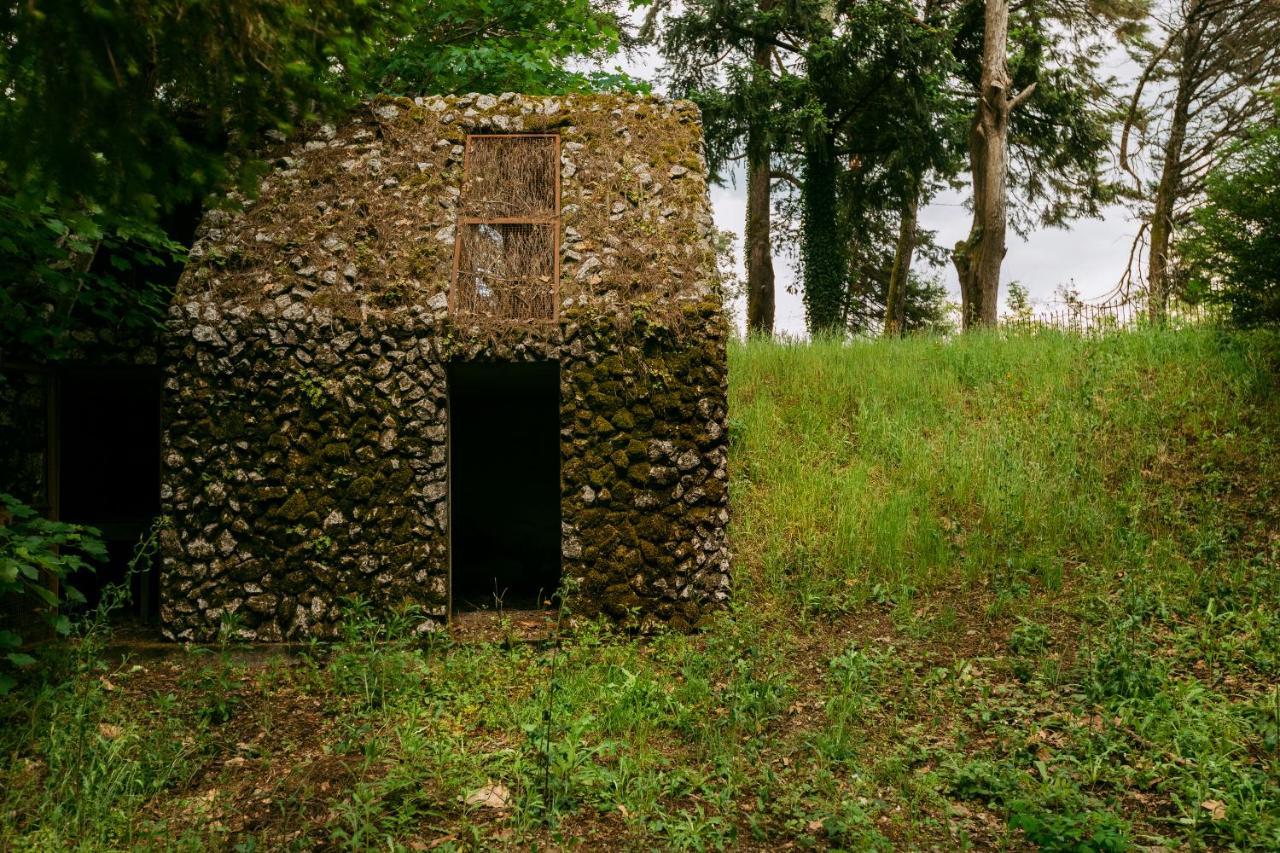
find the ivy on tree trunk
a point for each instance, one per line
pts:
(822, 252)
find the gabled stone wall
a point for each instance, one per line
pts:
(360, 218)
(306, 425)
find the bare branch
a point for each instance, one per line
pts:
(785, 176)
(1020, 98)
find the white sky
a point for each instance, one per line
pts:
(1089, 256)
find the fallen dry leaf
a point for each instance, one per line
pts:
(1217, 809)
(491, 796)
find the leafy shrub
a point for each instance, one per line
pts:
(377, 660)
(1234, 249)
(33, 552)
(1069, 831)
(1029, 639)
(1122, 671)
(1028, 642)
(978, 779)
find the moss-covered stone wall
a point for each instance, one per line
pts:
(360, 217)
(305, 461)
(307, 426)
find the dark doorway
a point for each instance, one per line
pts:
(504, 484)
(109, 470)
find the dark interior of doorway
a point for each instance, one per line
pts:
(109, 472)
(504, 484)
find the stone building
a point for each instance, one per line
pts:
(454, 351)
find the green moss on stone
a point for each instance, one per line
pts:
(295, 507)
(336, 451)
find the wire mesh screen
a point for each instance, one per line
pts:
(506, 271)
(510, 177)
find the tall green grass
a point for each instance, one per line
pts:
(865, 467)
(1138, 474)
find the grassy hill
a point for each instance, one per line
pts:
(996, 592)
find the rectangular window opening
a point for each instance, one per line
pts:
(507, 249)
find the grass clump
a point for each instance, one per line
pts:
(990, 592)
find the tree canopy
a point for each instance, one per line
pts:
(121, 117)
(1233, 249)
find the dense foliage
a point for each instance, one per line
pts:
(524, 46)
(123, 116)
(1233, 250)
(36, 558)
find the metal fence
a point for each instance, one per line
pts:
(1085, 318)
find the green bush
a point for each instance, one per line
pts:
(1233, 251)
(33, 552)
(1069, 831)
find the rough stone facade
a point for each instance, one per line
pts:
(306, 426)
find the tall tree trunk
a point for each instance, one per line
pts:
(759, 257)
(895, 303)
(1170, 185)
(978, 258)
(825, 265)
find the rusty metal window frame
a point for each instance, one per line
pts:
(553, 222)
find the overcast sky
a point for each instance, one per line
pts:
(1089, 256)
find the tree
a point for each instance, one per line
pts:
(944, 164)
(1233, 251)
(1039, 128)
(515, 46)
(895, 302)
(864, 119)
(732, 57)
(1207, 75)
(118, 122)
(822, 250)
(1018, 302)
(1032, 160)
(978, 257)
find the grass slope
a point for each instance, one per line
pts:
(992, 592)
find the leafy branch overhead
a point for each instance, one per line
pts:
(121, 122)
